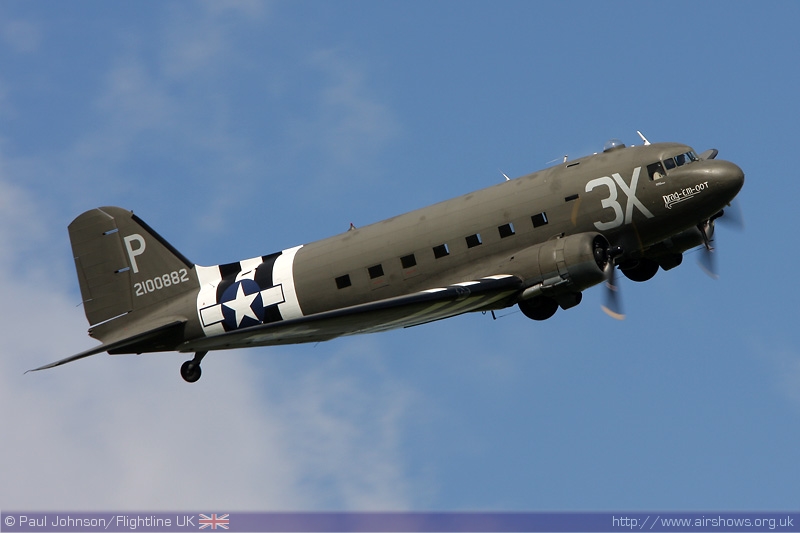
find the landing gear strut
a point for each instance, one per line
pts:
(190, 370)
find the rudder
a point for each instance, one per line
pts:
(124, 265)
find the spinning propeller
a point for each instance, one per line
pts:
(612, 303)
(731, 216)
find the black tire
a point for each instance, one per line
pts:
(538, 308)
(642, 270)
(190, 372)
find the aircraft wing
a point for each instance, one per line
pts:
(391, 313)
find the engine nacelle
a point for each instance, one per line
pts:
(566, 265)
(676, 245)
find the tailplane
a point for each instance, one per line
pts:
(138, 291)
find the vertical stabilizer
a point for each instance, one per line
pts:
(123, 265)
(103, 272)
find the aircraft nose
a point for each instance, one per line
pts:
(728, 176)
(734, 174)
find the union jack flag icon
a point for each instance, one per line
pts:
(213, 521)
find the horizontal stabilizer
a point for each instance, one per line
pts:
(122, 346)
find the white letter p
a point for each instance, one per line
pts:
(133, 253)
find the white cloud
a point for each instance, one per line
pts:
(163, 100)
(199, 39)
(791, 381)
(133, 97)
(367, 410)
(353, 119)
(126, 432)
(22, 225)
(22, 36)
(347, 125)
(785, 365)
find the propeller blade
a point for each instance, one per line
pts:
(708, 262)
(613, 305)
(733, 216)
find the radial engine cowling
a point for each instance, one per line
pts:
(564, 265)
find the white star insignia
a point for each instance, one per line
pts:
(241, 305)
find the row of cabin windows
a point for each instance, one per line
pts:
(442, 250)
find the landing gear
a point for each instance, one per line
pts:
(538, 308)
(190, 370)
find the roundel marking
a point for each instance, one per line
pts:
(242, 305)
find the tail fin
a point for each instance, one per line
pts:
(123, 265)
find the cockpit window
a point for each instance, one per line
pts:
(655, 171)
(680, 160)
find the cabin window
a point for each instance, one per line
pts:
(441, 251)
(343, 281)
(539, 220)
(656, 171)
(375, 271)
(506, 230)
(408, 261)
(474, 240)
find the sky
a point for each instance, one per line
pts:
(241, 128)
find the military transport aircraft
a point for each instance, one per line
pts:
(536, 241)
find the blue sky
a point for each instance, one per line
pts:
(241, 128)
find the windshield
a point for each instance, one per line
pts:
(656, 170)
(680, 160)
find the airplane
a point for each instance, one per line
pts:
(537, 242)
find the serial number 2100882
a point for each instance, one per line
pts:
(161, 282)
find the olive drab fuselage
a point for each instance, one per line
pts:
(538, 241)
